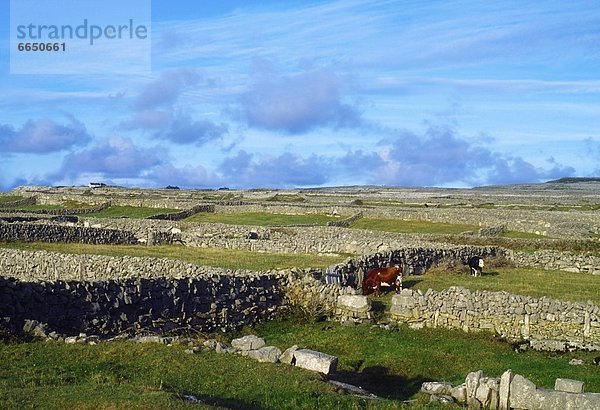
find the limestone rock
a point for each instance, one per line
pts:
(459, 393)
(356, 303)
(438, 388)
(315, 361)
(287, 357)
(267, 354)
(245, 343)
(521, 392)
(504, 392)
(568, 385)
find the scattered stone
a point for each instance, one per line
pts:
(569, 386)
(459, 393)
(287, 356)
(315, 361)
(438, 388)
(210, 344)
(441, 399)
(189, 351)
(150, 339)
(576, 362)
(357, 391)
(268, 354)
(35, 328)
(245, 343)
(71, 340)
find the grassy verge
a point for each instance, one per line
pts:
(391, 364)
(400, 226)
(574, 287)
(130, 212)
(10, 198)
(262, 219)
(226, 258)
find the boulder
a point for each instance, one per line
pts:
(521, 392)
(287, 357)
(569, 386)
(248, 343)
(438, 388)
(267, 354)
(504, 392)
(355, 303)
(459, 393)
(315, 361)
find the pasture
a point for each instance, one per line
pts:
(391, 361)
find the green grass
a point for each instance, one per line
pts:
(574, 287)
(400, 226)
(130, 212)
(226, 258)
(10, 198)
(522, 235)
(391, 364)
(262, 219)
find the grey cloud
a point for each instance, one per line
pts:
(184, 130)
(297, 103)
(285, 170)
(43, 136)
(115, 158)
(166, 89)
(187, 176)
(441, 157)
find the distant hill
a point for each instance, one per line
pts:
(573, 180)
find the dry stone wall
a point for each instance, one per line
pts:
(554, 260)
(207, 303)
(415, 260)
(178, 216)
(550, 324)
(48, 232)
(106, 295)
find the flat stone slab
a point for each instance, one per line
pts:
(315, 361)
(267, 354)
(355, 303)
(248, 343)
(569, 386)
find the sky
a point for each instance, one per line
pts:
(247, 94)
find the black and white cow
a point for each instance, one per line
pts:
(476, 265)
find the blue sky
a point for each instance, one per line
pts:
(320, 93)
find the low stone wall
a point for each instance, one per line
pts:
(15, 204)
(105, 295)
(560, 324)
(415, 260)
(344, 223)
(208, 303)
(178, 216)
(61, 211)
(512, 391)
(48, 232)
(554, 260)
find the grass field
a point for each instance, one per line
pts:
(226, 258)
(10, 198)
(262, 219)
(391, 364)
(574, 287)
(130, 212)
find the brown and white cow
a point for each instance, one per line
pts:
(378, 277)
